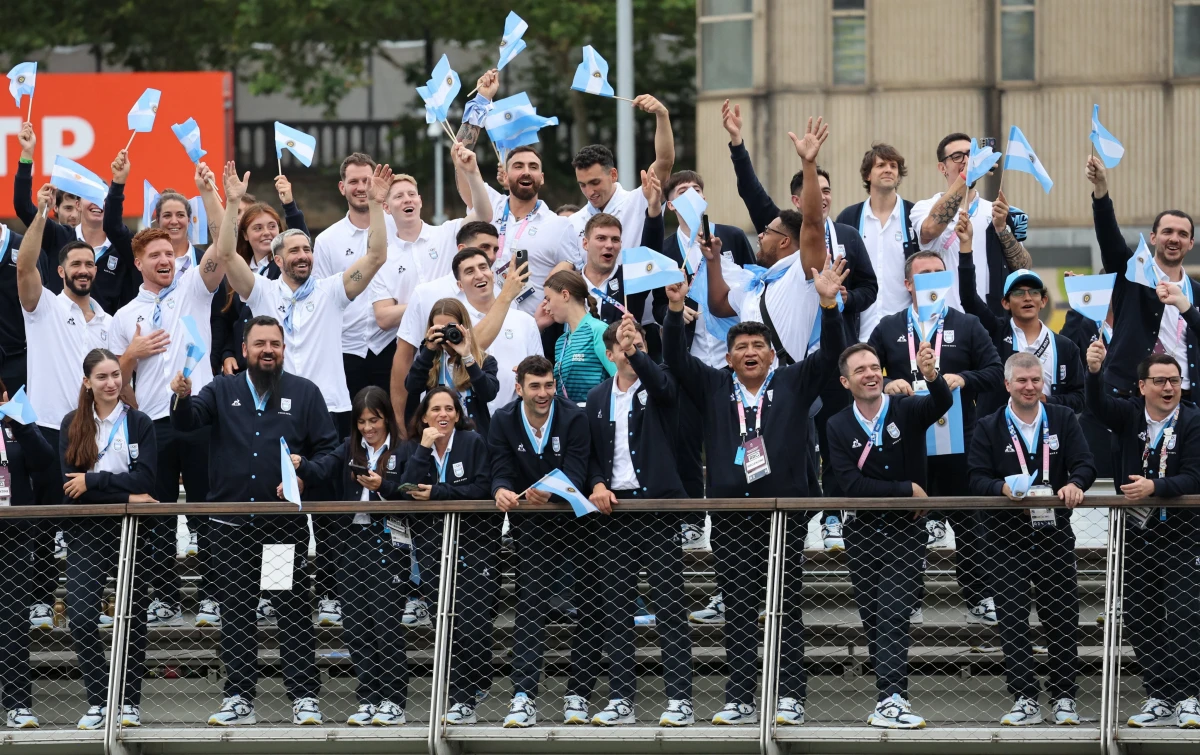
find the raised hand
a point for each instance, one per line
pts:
(625, 333)
(711, 249)
(1097, 175)
(381, 184)
(488, 84)
(283, 187)
(731, 119)
(676, 294)
(465, 158)
(815, 135)
(1095, 355)
(235, 188)
(652, 190)
(829, 282)
(45, 197)
(120, 168)
(650, 104)
(1000, 212)
(927, 361)
(27, 140)
(1170, 293)
(965, 231)
(181, 386)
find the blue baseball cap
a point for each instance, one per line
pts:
(1022, 276)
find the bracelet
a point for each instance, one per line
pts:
(26, 160)
(468, 360)
(831, 306)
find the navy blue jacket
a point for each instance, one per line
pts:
(12, 324)
(468, 470)
(484, 387)
(334, 467)
(515, 465)
(28, 454)
(107, 487)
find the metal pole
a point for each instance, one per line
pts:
(776, 564)
(626, 154)
(443, 635)
(122, 615)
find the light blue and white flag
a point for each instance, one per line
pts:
(1107, 146)
(592, 74)
(188, 134)
(1020, 156)
(1020, 484)
(645, 270)
(439, 92)
(1141, 268)
(691, 206)
(945, 436)
(21, 81)
(196, 348)
(150, 198)
(557, 483)
(512, 44)
(931, 290)
(71, 177)
(141, 117)
(511, 120)
(1090, 295)
(979, 162)
(19, 408)
(291, 488)
(301, 145)
(198, 230)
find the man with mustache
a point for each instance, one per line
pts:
(248, 414)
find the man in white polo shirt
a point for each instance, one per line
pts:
(174, 313)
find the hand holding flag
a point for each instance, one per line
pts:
(1141, 268)
(21, 81)
(19, 409)
(1107, 146)
(557, 483)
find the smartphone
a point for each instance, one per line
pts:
(520, 257)
(361, 469)
(985, 141)
(705, 229)
(408, 487)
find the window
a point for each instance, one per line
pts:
(1187, 38)
(849, 42)
(1016, 40)
(726, 44)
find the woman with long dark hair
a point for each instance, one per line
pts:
(580, 359)
(109, 455)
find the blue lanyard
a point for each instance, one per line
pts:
(441, 465)
(1020, 449)
(122, 426)
(1040, 352)
(612, 400)
(874, 434)
(743, 404)
(538, 445)
(862, 217)
(259, 403)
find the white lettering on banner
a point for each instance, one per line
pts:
(52, 137)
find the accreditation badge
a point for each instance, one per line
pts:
(755, 461)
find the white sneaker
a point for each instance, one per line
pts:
(789, 712)
(265, 612)
(105, 619)
(131, 715)
(575, 710)
(678, 713)
(94, 718)
(617, 713)
(329, 612)
(208, 614)
(362, 716)
(193, 546)
(983, 612)
(831, 533)
(1025, 712)
(416, 613)
(713, 613)
(1154, 713)
(917, 616)
(522, 712)
(938, 537)
(60, 545)
(736, 714)
(41, 616)
(235, 711)
(895, 713)
(306, 712)
(1188, 712)
(460, 714)
(1065, 713)
(694, 538)
(159, 614)
(22, 718)
(388, 714)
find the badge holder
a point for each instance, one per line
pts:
(5, 476)
(1041, 517)
(401, 534)
(754, 456)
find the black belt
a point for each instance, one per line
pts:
(627, 494)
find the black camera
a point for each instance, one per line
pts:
(452, 334)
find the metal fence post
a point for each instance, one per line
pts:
(443, 633)
(1110, 674)
(776, 553)
(126, 564)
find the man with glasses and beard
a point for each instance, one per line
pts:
(249, 413)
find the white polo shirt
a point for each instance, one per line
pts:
(624, 477)
(548, 238)
(884, 240)
(112, 440)
(59, 337)
(629, 207)
(433, 250)
(792, 301)
(705, 346)
(154, 373)
(395, 280)
(311, 350)
(947, 244)
(416, 317)
(518, 338)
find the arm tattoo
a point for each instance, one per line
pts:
(468, 135)
(1014, 252)
(210, 266)
(949, 210)
(356, 276)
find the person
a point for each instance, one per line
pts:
(13, 348)
(873, 456)
(1034, 549)
(604, 271)
(633, 416)
(1142, 321)
(528, 439)
(883, 223)
(968, 361)
(750, 442)
(564, 210)
(25, 451)
(1024, 297)
(107, 451)
(580, 360)
(1158, 441)
(249, 414)
(1082, 332)
(1002, 228)
(454, 361)
(67, 208)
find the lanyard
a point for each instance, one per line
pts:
(3, 446)
(612, 399)
(520, 229)
(259, 403)
(742, 405)
(912, 346)
(441, 463)
(1167, 431)
(874, 433)
(605, 297)
(1019, 446)
(122, 425)
(1047, 345)
(537, 444)
(953, 239)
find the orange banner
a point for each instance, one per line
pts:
(83, 116)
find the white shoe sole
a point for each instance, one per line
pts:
(706, 622)
(358, 722)
(47, 625)
(247, 721)
(26, 725)
(328, 622)
(674, 724)
(519, 724)
(575, 720)
(464, 722)
(1160, 724)
(783, 721)
(1030, 722)
(208, 622)
(1073, 722)
(597, 721)
(382, 722)
(308, 721)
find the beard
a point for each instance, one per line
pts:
(266, 381)
(523, 193)
(299, 276)
(79, 287)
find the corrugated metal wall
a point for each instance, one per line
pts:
(925, 43)
(1089, 41)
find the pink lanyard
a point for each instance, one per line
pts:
(1020, 449)
(520, 228)
(740, 399)
(912, 348)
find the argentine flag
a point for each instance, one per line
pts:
(21, 80)
(439, 92)
(691, 206)
(150, 197)
(979, 162)
(557, 483)
(513, 118)
(291, 488)
(19, 409)
(1110, 150)
(1020, 156)
(945, 436)
(645, 270)
(141, 117)
(1020, 484)
(188, 134)
(1089, 295)
(931, 290)
(301, 145)
(592, 74)
(512, 44)
(196, 348)
(198, 232)
(1140, 269)
(73, 178)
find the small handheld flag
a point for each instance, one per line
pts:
(931, 290)
(198, 231)
(73, 178)
(196, 348)
(21, 81)
(19, 408)
(150, 197)
(592, 74)
(512, 120)
(1141, 269)
(512, 44)
(141, 117)
(291, 487)
(1107, 146)
(1019, 156)
(691, 206)
(188, 134)
(1019, 484)
(439, 92)
(980, 162)
(645, 270)
(557, 483)
(301, 145)
(945, 436)
(1090, 295)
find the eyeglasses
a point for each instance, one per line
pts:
(1159, 382)
(769, 229)
(956, 157)
(1025, 293)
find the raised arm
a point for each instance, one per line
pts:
(1015, 254)
(292, 216)
(236, 269)
(718, 289)
(944, 210)
(358, 276)
(23, 206)
(468, 134)
(1111, 411)
(490, 326)
(207, 185)
(1114, 252)
(466, 165)
(692, 374)
(114, 204)
(967, 291)
(29, 280)
(758, 202)
(812, 231)
(664, 139)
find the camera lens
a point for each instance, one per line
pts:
(452, 334)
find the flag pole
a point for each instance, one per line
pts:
(473, 91)
(279, 163)
(29, 115)
(130, 143)
(449, 131)
(615, 97)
